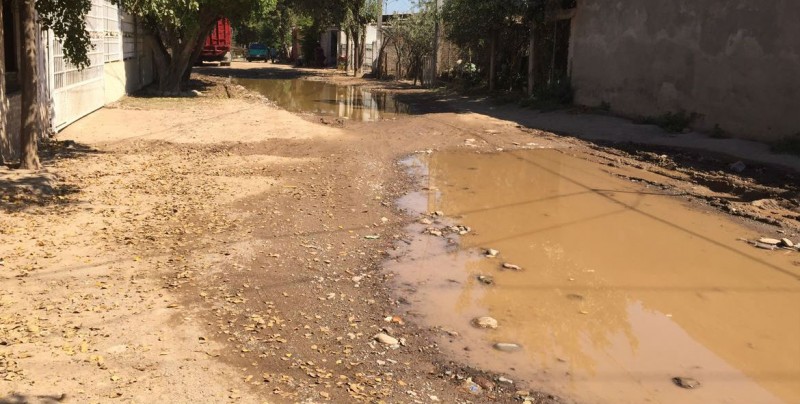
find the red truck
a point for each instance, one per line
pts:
(218, 44)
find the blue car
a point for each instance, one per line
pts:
(257, 51)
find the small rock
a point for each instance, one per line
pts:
(686, 382)
(485, 383)
(770, 241)
(738, 166)
(386, 340)
(434, 232)
(507, 347)
(485, 322)
(486, 280)
(512, 267)
(502, 379)
(522, 394)
(490, 253)
(426, 221)
(787, 243)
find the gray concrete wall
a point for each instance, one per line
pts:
(735, 63)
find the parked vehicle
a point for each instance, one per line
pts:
(257, 51)
(218, 45)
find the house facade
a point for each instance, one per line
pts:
(120, 64)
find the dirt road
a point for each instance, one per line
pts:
(220, 249)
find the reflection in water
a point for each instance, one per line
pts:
(350, 102)
(623, 288)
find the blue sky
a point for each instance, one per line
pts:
(400, 6)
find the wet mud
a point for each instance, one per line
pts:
(613, 289)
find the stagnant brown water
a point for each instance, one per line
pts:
(320, 98)
(623, 288)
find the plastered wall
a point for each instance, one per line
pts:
(734, 63)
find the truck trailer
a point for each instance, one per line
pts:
(218, 44)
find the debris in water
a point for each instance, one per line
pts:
(485, 322)
(486, 280)
(490, 253)
(512, 267)
(507, 347)
(686, 382)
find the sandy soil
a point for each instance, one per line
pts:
(219, 249)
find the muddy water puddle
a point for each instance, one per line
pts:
(622, 287)
(325, 99)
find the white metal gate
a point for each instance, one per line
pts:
(77, 93)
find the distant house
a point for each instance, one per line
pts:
(120, 64)
(334, 43)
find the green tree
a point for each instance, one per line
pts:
(178, 28)
(414, 36)
(472, 23)
(358, 14)
(490, 27)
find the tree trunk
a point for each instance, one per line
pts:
(532, 59)
(29, 69)
(3, 99)
(356, 47)
(347, 53)
(492, 58)
(172, 57)
(379, 45)
(198, 49)
(362, 51)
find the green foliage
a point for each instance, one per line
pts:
(67, 20)
(788, 145)
(554, 95)
(718, 133)
(270, 27)
(413, 36)
(474, 24)
(174, 17)
(672, 122)
(311, 34)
